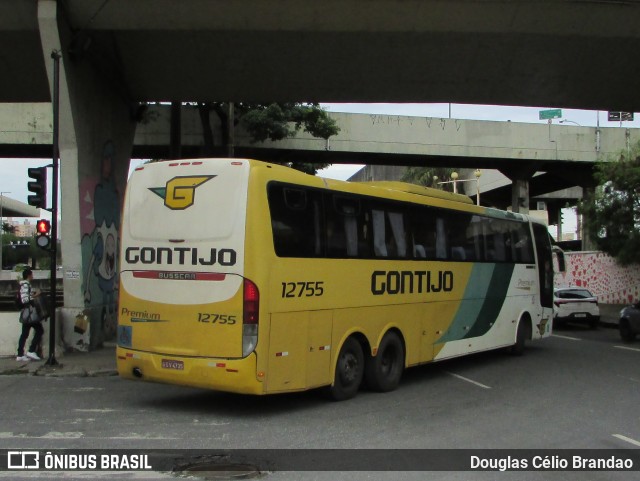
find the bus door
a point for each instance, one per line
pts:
(545, 269)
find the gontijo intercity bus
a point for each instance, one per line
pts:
(249, 277)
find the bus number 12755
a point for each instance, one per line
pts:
(303, 289)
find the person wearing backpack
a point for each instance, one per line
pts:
(27, 297)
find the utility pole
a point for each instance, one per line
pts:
(1, 224)
(55, 55)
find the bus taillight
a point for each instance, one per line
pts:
(250, 318)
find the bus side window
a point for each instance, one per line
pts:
(496, 231)
(296, 221)
(389, 234)
(442, 244)
(464, 243)
(347, 227)
(379, 233)
(424, 232)
(521, 244)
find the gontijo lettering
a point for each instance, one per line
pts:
(180, 255)
(410, 282)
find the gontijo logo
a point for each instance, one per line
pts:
(180, 192)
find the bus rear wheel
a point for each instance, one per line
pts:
(349, 371)
(383, 372)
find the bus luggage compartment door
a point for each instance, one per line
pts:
(299, 350)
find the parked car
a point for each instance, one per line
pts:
(575, 304)
(630, 322)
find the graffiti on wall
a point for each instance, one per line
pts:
(100, 211)
(599, 272)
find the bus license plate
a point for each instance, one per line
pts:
(172, 364)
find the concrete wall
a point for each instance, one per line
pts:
(10, 329)
(602, 275)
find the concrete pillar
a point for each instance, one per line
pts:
(96, 139)
(588, 243)
(519, 176)
(520, 196)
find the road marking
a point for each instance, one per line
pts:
(50, 435)
(468, 380)
(94, 410)
(626, 439)
(77, 435)
(566, 337)
(627, 348)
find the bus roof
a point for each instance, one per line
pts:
(419, 190)
(464, 202)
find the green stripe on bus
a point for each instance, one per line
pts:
(483, 299)
(493, 302)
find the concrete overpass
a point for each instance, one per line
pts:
(565, 154)
(564, 53)
(13, 208)
(117, 53)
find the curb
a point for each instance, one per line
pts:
(46, 371)
(57, 371)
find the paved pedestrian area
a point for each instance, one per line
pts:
(102, 362)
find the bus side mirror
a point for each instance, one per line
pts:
(560, 257)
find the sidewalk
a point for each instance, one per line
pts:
(101, 362)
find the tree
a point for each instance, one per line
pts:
(275, 121)
(612, 213)
(429, 177)
(8, 228)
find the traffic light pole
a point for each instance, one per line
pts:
(51, 361)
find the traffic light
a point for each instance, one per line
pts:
(43, 229)
(38, 187)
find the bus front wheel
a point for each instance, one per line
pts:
(383, 372)
(522, 336)
(349, 371)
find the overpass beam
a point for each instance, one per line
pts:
(96, 140)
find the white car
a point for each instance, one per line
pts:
(575, 304)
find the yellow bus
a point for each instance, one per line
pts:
(249, 277)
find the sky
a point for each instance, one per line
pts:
(13, 172)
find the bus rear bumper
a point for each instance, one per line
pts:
(230, 375)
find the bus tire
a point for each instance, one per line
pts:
(522, 336)
(383, 371)
(349, 371)
(626, 333)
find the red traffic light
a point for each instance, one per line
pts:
(43, 226)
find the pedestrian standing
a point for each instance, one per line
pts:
(28, 296)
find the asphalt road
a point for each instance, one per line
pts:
(579, 389)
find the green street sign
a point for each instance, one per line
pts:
(550, 114)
